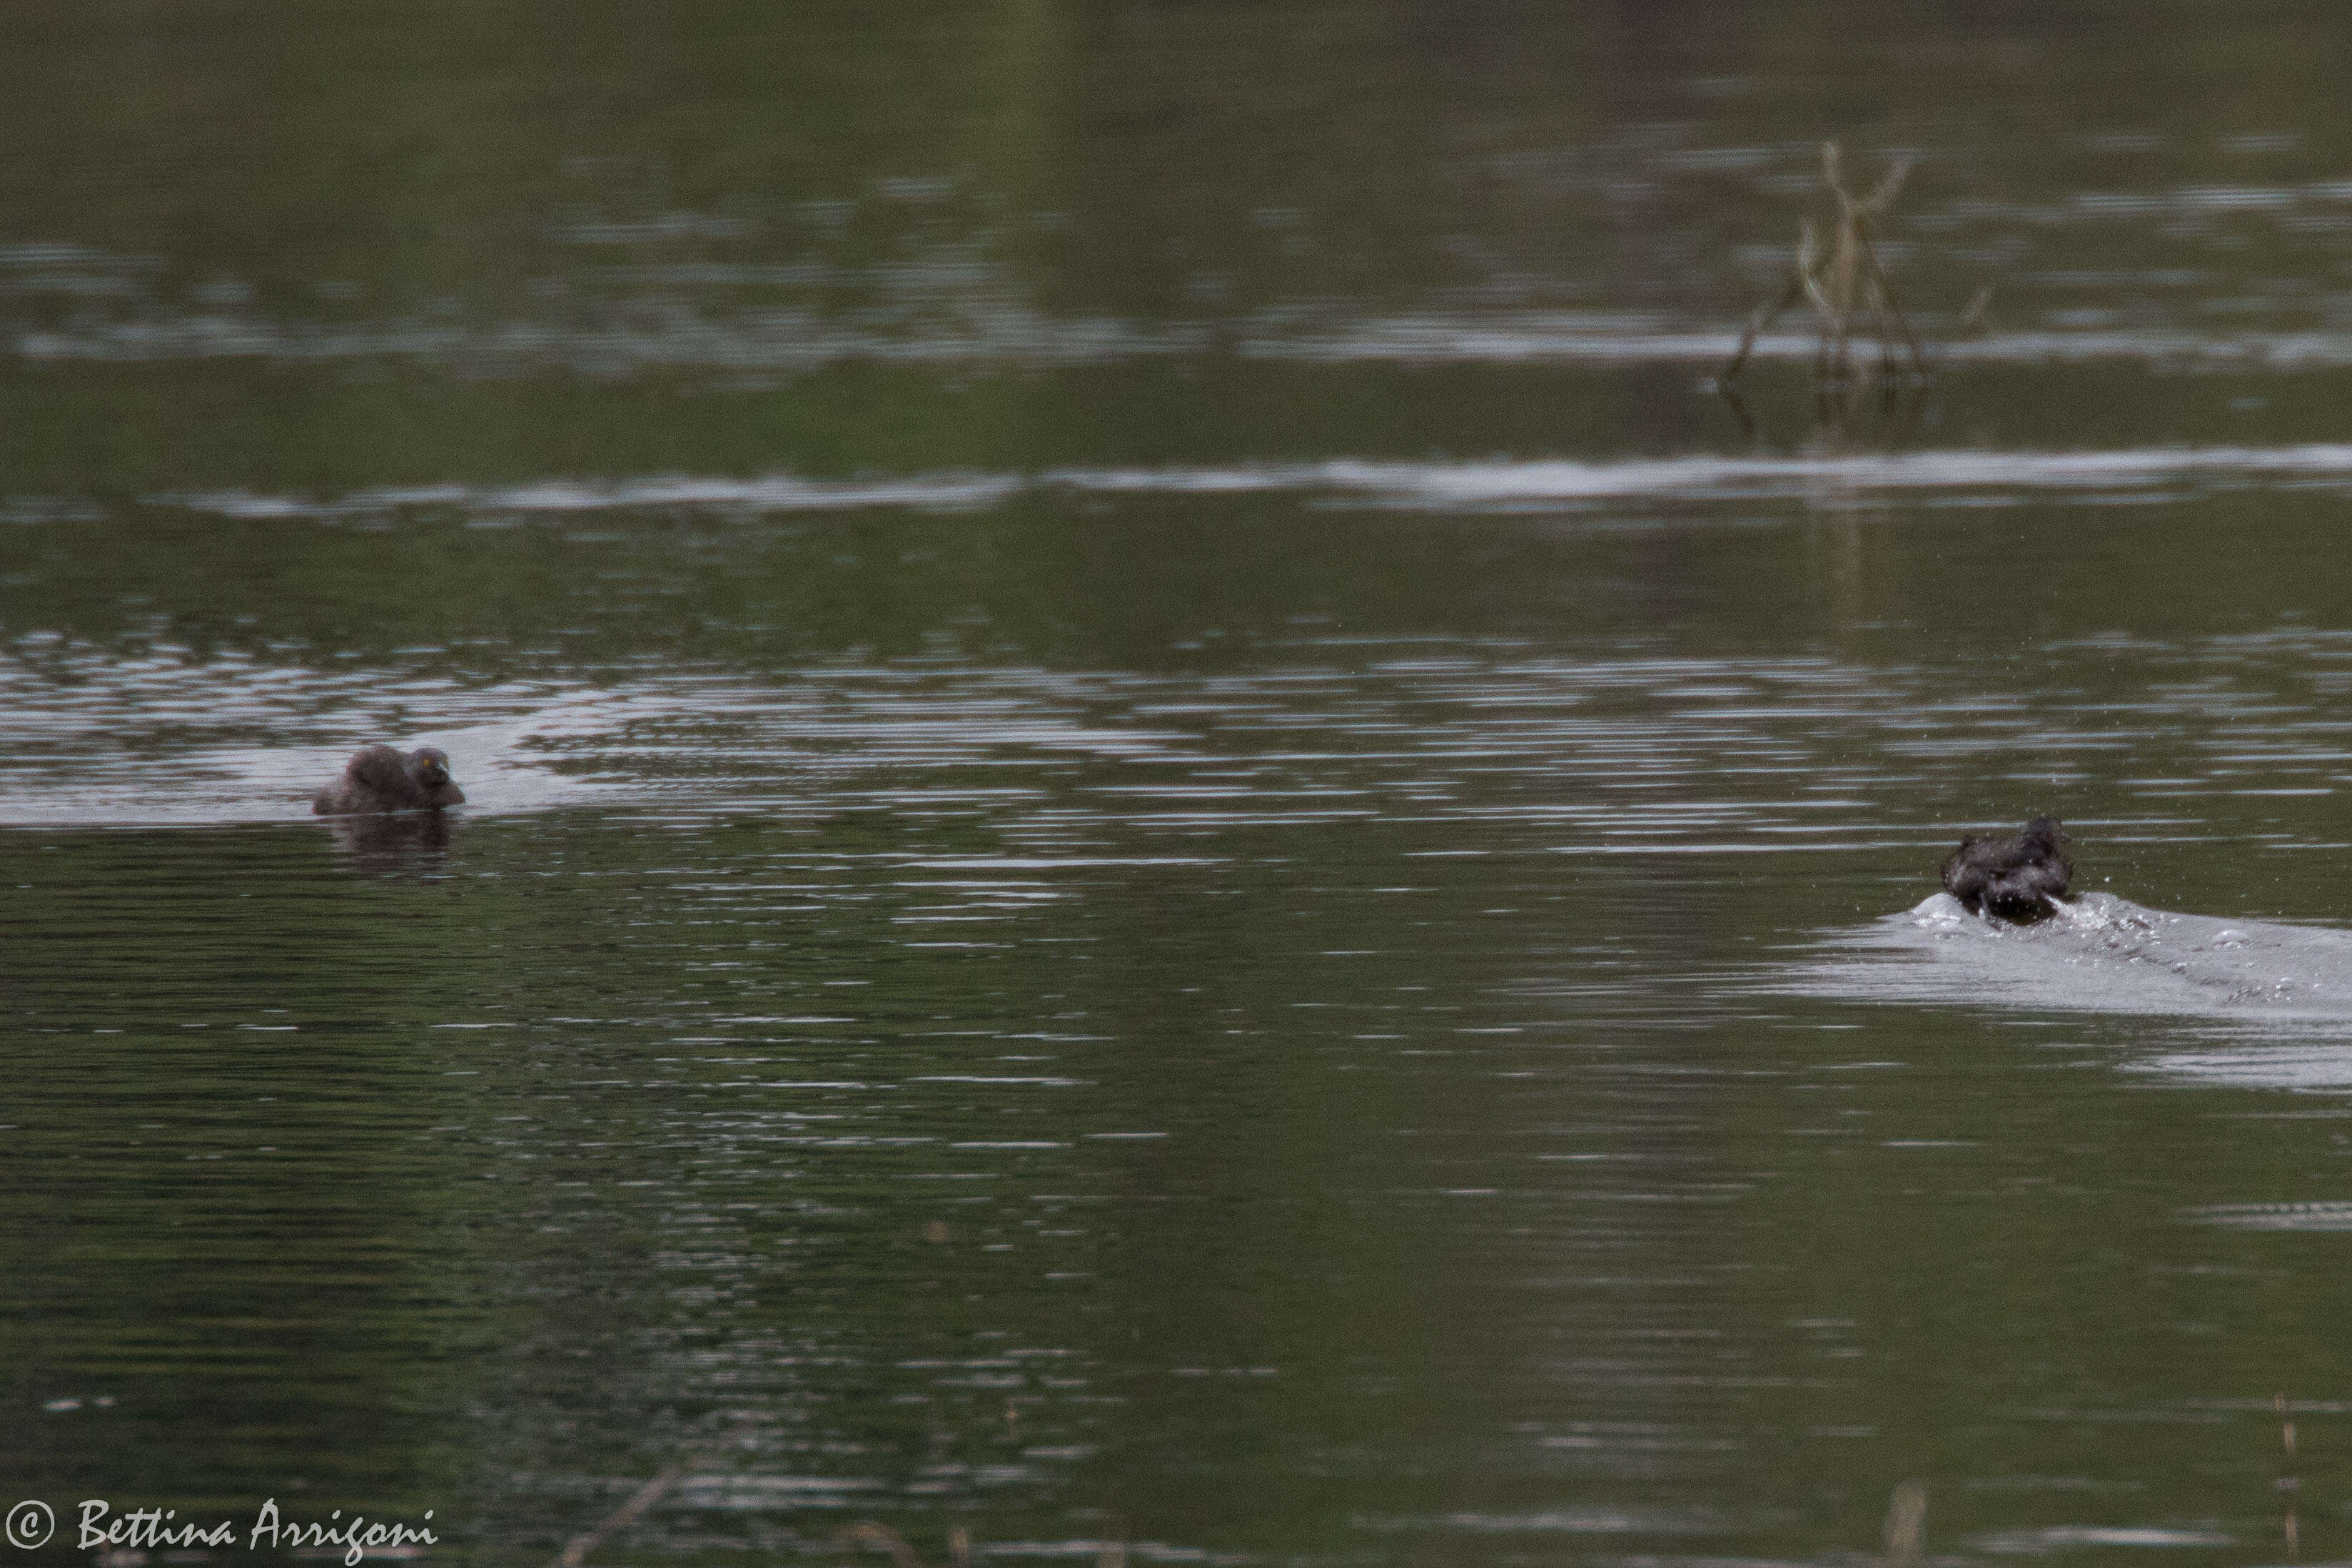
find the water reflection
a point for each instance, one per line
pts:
(1163, 842)
(1427, 966)
(393, 844)
(952, 269)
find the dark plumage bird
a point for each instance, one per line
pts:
(2019, 879)
(378, 778)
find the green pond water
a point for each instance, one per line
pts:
(1172, 853)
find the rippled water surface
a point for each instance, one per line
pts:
(1172, 853)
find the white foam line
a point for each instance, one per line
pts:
(1441, 340)
(772, 492)
(1464, 486)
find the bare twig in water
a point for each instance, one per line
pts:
(1847, 286)
(1739, 407)
(621, 1519)
(1906, 1526)
(1759, 323)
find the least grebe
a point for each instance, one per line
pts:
(2019, 879)
(378, 778)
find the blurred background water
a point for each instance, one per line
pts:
(1168, 842)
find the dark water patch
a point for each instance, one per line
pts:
(921, 1180)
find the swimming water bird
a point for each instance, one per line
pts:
(378, 778)
(2019, 879)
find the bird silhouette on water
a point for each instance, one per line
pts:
(2021, 879)
(378, 778)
